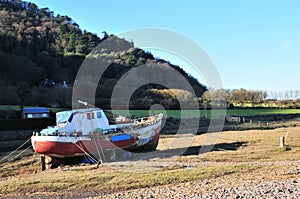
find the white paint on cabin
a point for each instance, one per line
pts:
(83, 120)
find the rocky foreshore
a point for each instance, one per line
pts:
(218, 189)
(281, 182)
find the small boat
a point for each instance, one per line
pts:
(87, 132)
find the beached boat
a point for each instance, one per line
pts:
(88, 132)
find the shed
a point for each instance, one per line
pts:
(35, 112)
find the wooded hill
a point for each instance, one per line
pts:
(38, 47)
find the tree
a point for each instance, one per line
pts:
(206, 99)
(71, 46)
(23, 91)
(32, 7)
(105, 35)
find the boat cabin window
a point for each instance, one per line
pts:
(98, 114)
(90, 116)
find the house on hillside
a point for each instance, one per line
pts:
(47, 83)
(50, 83)
(35, 112)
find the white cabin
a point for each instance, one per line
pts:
(81, 120)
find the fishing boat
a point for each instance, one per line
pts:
(88, 132)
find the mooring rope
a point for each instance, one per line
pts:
(33, 157)
(99, 141)
(17, 150)
(82, 149)
(20, 153)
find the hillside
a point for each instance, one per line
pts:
(38, 49)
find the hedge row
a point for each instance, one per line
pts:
(23, 124)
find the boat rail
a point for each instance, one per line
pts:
(137, 124)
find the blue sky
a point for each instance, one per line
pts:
(254, 44)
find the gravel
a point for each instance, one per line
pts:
(204, 189)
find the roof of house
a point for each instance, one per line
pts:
(35, 110)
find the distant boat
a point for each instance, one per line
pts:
(87, 132)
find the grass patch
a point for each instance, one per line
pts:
(185, 114)
(18, 108)
(260, 145)
(10, 108)
(189, 114)
(106, 180)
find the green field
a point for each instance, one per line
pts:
(18, 108)
(186, 114)
(249, 112)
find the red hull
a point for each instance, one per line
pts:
(64, 147)
(79, 148)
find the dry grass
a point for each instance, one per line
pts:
(231, 155)
(256, 145)
(105, 179)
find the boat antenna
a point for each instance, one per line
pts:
(85, 104)
(106, 111)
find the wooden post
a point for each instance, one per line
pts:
(281, 141)
(113, 154)
(43, 163)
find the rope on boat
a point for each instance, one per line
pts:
(101, 150)
(33, 157)
(100, 159)
(20, 153)
(97, 147)
(6, 157)
(82, 149)
(86, 153)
